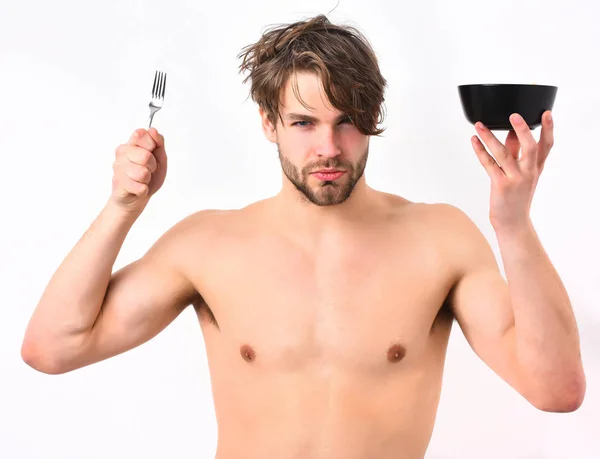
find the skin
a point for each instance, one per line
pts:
(326, 309)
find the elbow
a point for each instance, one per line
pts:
(561, 405)
(38, 357)
(566, 400)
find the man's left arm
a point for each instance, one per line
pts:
(525, 330)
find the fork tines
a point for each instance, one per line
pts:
(160, 81)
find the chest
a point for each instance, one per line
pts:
(355, 303)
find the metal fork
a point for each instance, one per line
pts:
(158, 95)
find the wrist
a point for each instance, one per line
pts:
(120, 214)
(514, 228)
(518, 241)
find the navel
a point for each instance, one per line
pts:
(247, 353)
(396, 353)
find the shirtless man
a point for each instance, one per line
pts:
(326, 309)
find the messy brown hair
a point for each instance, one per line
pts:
(340, 55)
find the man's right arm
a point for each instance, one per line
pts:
(86, 314)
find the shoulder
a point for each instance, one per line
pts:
(188, 236)
(193, 246)
(424, 211)
(454, 223)
(437, 217)
(462, 240)
(451, 215)
(194, 225)
(209, 229)
(446, 227)
(442, 218)
(451, 224)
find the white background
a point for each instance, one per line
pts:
(75, 79)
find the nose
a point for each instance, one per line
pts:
(328, 143)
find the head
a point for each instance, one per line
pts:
(320, 95)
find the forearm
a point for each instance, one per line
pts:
(73, 298)
(547, 339)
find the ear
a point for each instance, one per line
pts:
(268, 128)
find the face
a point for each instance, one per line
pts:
(317, 139)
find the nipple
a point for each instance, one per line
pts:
(247, 353)
(396, 353)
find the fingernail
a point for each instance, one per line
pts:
(516, 119)
(550, 116)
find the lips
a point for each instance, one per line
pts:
(328, 176)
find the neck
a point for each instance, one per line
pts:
(293, 209)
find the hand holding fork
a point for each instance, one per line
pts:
(140, 165)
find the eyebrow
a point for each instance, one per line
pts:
(309, 118)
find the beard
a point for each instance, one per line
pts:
(327, 192)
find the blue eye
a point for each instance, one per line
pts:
(307, 123)
(300, 123)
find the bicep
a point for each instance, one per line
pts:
(481, 303)
(141, 300)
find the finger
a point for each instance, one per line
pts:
(499, 151)
(525, 136)
(124, 185)
(159, 153)
(141, 138)
(142, 157)
(157, 137)
(487, 161)
(137, 173)
(512, 144)
(135, 136)
(133, 187)
(546, 138)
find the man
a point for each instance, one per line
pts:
(326, 309)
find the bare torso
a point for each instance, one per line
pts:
(333, 350)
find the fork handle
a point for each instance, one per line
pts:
(150, 119)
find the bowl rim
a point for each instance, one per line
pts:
(505, 85)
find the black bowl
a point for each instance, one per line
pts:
(492, 104)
